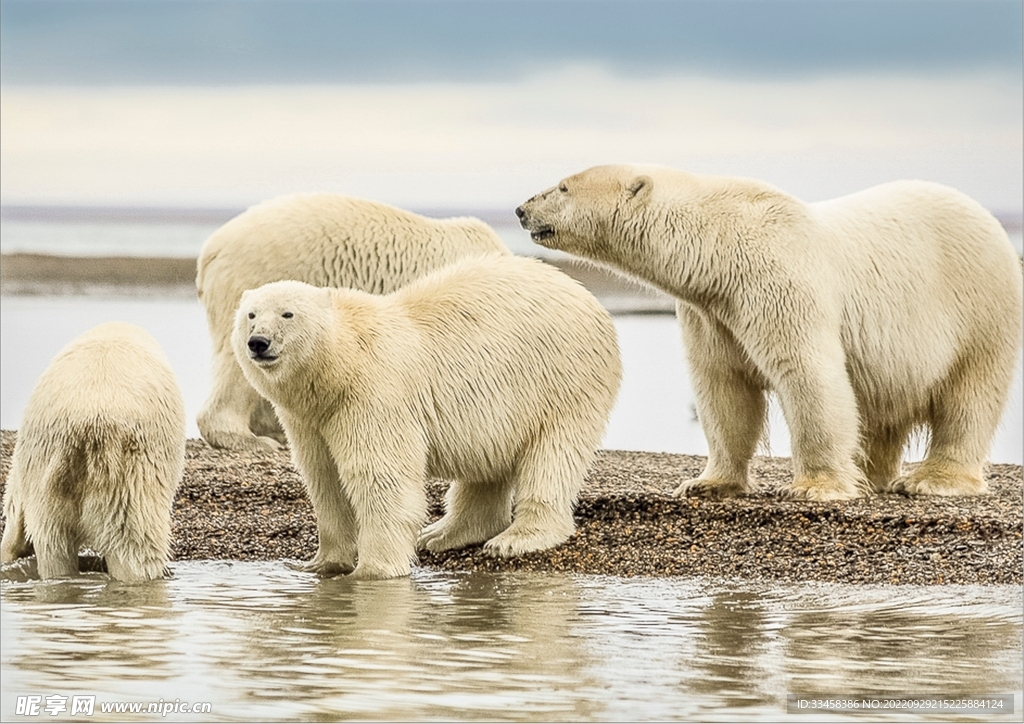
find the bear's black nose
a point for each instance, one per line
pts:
(258, 345)
(519, 212)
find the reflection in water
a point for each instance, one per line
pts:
(259, 641)
(440, 647)
(852, 649)
(729, 646)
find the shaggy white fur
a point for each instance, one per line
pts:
(869, 316)
(326, 240)
(98, 458)
(496, 373)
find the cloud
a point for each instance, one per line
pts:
(489, 143)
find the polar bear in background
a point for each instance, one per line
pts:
(870, 315)
(98, 458)
(325, 240)
(497, 373)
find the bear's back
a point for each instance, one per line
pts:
(113, 374)
(916, 241)
(921, 221)
(512, 323)
(490, 294)
(337, 241)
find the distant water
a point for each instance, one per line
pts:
(182, 237)
(259, 642)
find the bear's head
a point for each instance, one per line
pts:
(585, 213)
(277, 328)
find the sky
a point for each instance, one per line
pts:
(479, 104)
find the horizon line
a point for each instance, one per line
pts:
(152, 213)
(1011, 219)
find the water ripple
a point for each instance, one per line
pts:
(261, 641)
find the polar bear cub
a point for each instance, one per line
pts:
(497, 373)
(870, 316)
(327, 240)
(98, 458)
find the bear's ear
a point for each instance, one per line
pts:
(639, 188)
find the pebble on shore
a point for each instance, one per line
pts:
(243, 507)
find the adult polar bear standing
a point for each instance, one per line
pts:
(98, 458)
(326, 240)
(870, 315)
(497, 373)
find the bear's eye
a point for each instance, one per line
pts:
(287, 315)
(563, 188)
(252, 315)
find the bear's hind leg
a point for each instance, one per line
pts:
(15, 543)
(132, 568)
(264, 423)
(54, 520)
(474, 512)
(226, 416)
(126, 509)
(965, 415)
(56, 552)
(730, 403)
(545, 484)
(882, 454)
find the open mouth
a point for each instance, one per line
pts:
(542, 234)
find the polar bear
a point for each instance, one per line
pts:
(98, 458)
(870, 316)
(322, 239)
(497, 373)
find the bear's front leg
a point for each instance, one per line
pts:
(390, 509)
(335, 520)
(382, 460)
(730, 400)
(820, 408)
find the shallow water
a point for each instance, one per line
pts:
(259, 641)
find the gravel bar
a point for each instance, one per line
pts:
(254, 508)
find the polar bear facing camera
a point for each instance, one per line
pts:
(870, 316)
(496, 373)
(327, 240)
(98, 458)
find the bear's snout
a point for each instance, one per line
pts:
(258, 346)
(520, 212)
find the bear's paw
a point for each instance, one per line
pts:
(934, 480)
(821, 488)
(712, 488)
(323, 568)
(517, 541)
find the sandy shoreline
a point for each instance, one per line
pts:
(50, 275)
(240, 507)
